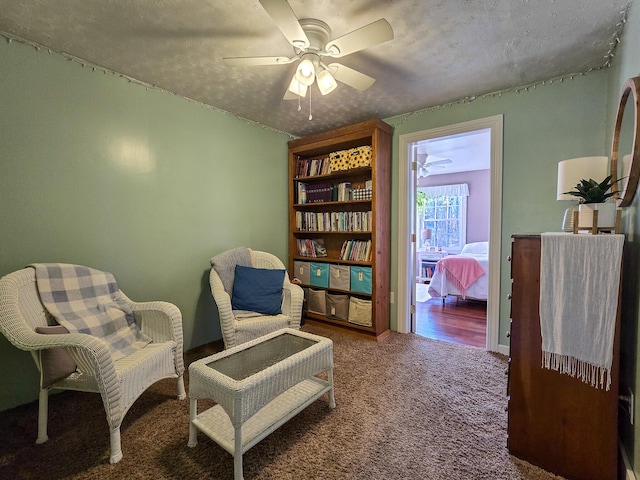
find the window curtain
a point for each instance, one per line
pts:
(457, 190)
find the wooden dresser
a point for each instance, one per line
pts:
(554, 421)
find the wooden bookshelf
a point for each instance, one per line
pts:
(302, 215)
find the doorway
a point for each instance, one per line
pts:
(409, 238)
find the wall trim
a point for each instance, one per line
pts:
(628, 469)
(405, 221)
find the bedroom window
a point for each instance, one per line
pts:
(445, 213)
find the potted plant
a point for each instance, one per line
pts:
(592, 196)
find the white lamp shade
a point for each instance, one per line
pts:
(306, 72)
(326, 82)
(571, 171)
(298, 88)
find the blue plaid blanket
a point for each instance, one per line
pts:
(85, 300)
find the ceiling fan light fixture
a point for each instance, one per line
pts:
(297, 88)
(326, 82)
(306, 72)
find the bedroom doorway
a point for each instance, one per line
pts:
(450, 158)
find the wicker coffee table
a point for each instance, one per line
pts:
(258, 386)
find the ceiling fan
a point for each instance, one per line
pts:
(312, 44)
(424, 166)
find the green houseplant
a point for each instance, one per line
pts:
(592, 196)
(590, 191)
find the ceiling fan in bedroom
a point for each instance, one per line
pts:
(314, 49)
(424, 166)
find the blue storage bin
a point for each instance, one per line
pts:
(361, 279)
(319, 274)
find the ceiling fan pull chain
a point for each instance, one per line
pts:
(310, 116)
(299, 107)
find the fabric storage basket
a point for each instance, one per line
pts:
(360, 311)
(339, 160)
(319, 274)
(339, 277)
(337, 306)
(361, 279)
(301, 271)
(360, 157)
(317, 301)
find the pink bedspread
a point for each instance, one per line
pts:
(460, 271)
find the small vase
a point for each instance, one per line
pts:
(606, 214)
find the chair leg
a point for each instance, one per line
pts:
(116, 449)
(182, 394)
(43, 406)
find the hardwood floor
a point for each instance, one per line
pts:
(455, 320)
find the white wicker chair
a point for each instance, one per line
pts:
(239, 330)
(119, 383)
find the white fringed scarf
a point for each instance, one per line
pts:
(579, 281)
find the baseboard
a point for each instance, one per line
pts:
(503, 349)
(628, 470)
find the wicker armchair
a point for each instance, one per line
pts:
(235, 328)
(119, 383)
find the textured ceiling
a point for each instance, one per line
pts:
(443, 50)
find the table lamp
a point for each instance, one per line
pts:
(425, 235)
(570, 172)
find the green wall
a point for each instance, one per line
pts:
(100, 171)
(542, 125)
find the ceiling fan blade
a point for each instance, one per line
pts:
(373, 34)
(286, 20)
(436, 163)
(350, 77)
(254, 61)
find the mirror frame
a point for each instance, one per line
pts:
(631, 87)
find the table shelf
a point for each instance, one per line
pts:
(215, 422)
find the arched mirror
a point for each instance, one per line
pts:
(625, 152)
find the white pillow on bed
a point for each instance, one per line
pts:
(478, 248)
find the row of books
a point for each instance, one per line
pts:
(427, 271)
(309, 167)
(311, 247)
(334, 221)
(323, 192)
(356, 250)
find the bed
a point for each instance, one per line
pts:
(476, 278)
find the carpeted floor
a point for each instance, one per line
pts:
(407, 408)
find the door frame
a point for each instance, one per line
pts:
(405, 221)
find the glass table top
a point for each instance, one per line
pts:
(256, 358)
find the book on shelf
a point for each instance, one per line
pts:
(334, 221)
(302, 192)
(356, 250)
(318, 192)
(310, 167)
(311, 247)
(344, 192)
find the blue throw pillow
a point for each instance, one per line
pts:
(257, 290)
